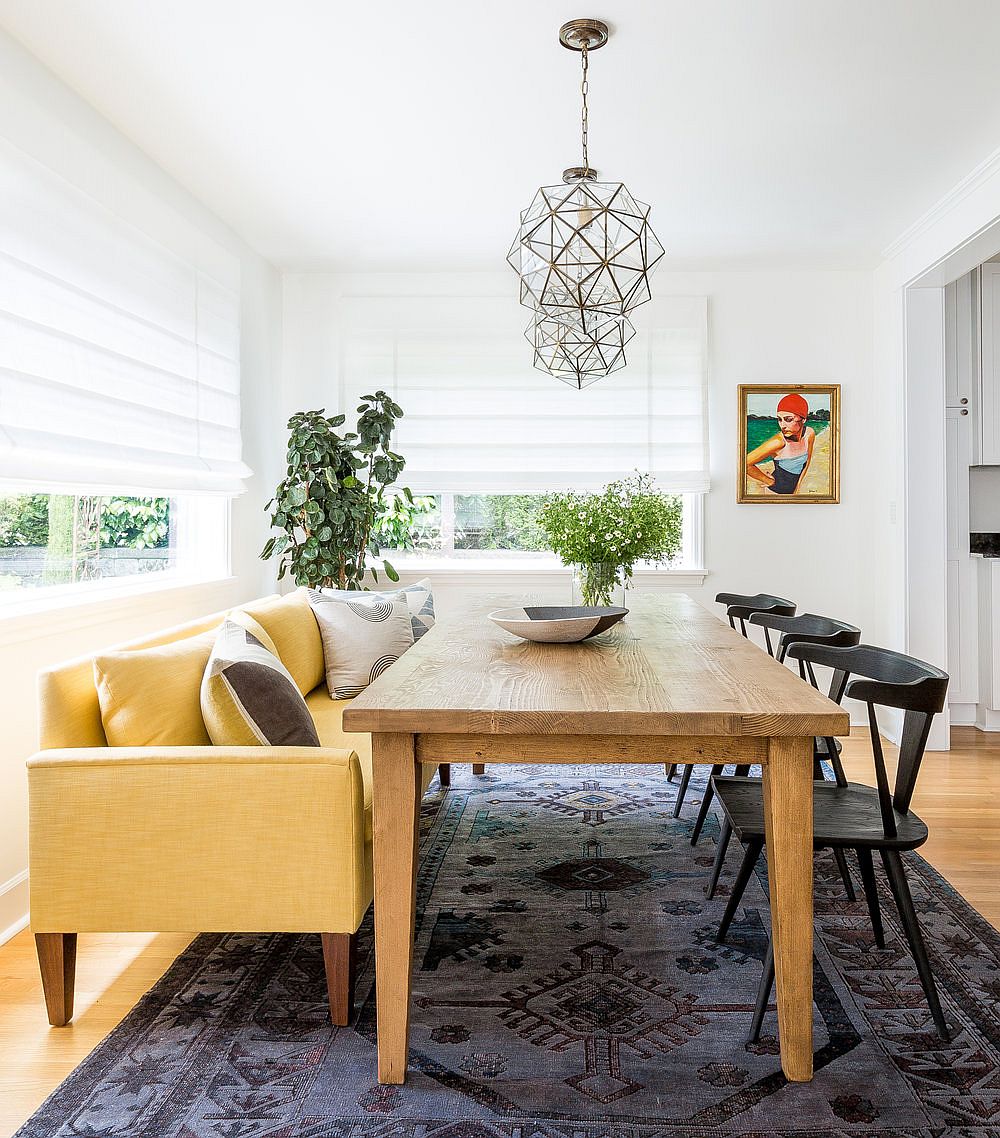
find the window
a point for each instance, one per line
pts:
(506, 527)
(119, 388)
(489, 437)
(57, 540)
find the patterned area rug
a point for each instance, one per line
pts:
(567, 985)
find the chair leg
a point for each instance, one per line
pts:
(904, 903)
(845, 873)
(725, 834)
(57, 964)
(444, 773)
(671, 769)
(871, 893)
(706, 804)
(838, 767)
(479, 768)
(682, 790)
(339, 958)
(763, 994)
(750, 856)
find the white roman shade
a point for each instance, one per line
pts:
(119, 359)
(479, 417)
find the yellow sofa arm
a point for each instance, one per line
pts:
(198, 839)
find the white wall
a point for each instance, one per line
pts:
(785, 327)
(44, 118)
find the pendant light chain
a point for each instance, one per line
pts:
(584, 89)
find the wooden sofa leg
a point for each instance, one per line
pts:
(339, 958)
(444, 773)
(57, 964)
(479, 768)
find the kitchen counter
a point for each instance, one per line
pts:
(985, 544)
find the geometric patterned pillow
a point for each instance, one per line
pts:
(248, 697)
(419, 600)
(361, 638)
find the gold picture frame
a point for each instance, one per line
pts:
(793, 429)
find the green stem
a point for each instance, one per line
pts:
(598, 582)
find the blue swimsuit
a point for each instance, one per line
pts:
(787, 472)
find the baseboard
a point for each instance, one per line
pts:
(962, 714)
(987, 719)
(13, 906)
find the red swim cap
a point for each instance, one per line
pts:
(795, 404)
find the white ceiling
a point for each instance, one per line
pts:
(393, 134)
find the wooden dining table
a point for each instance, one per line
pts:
(669, 684)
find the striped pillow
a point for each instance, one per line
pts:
(248, 697)
(361, 638)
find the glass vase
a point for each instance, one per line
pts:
(599, 584)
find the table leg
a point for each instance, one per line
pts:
(788, 825)
(397, 812)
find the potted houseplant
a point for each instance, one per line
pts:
(329, 505)
(602, 535)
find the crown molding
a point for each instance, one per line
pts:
(987, 169)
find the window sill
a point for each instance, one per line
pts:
(490, 572)
(81, 607)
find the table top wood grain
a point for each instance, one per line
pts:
(670, 668)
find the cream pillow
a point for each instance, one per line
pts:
(361, 638)
(419, 598)
(248, 697)
(149, 696)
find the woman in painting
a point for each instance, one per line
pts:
(790, 450)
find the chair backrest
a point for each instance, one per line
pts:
(808, 628)
(740, 607)
(882, 678)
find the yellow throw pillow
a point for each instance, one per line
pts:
(290, 624)
(248, 697)
(149, 697)
(245, 620)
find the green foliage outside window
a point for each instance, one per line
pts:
(125, 522)
(135, 523)
(499, 521)
(24, 520)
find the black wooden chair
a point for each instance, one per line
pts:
(805, 629)
(739, 607)
(854, 816)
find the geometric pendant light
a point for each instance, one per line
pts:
(583, 251)
(579, 349)
(585, 246)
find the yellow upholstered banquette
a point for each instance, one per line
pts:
(164, 832)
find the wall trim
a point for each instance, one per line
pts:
(987, 169)
(963, 714)
(9, 886)
(987, 719)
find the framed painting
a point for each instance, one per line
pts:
(789, 443)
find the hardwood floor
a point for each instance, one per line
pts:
(958, 795)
